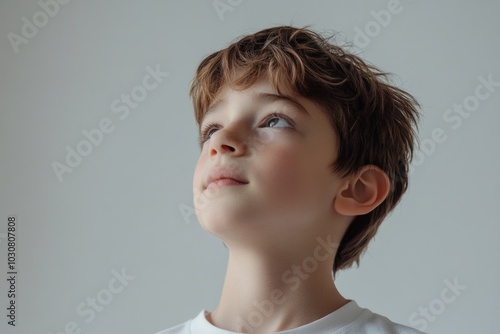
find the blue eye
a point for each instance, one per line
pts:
(207, 132)
(280, 117)
(207, 129)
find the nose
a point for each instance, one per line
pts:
(227, 141)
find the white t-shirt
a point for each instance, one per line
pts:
(350, 318)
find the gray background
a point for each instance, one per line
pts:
(122, 207)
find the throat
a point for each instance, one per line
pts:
(260, 296)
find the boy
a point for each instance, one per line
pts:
(304, 151)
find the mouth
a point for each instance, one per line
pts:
(224, 183)
(222, 176)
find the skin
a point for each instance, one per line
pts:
(271, 224)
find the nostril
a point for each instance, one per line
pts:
(230, 147)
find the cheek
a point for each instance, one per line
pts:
(198, 177)
(281, 170)
(198, 170)
(292, 174)
(286, 189)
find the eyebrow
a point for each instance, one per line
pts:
(264, 98)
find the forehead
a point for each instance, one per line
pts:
(260, 93)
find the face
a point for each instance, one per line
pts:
(282, 151)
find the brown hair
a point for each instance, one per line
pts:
(375, 122)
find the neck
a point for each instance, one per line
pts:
(264, 294)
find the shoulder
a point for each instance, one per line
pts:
(374, 323)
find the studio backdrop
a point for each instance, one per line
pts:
(98, 145)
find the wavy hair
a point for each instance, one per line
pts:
(375, 122)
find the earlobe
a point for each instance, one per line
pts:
(363, 192)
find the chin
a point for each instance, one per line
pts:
(228, 225)
(217, 225)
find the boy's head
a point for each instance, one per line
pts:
(341, 164)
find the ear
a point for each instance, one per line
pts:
(363, 192)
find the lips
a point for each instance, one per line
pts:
(221, 173)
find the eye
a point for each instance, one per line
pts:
(206, 132)
(207, 129)
(276, 115)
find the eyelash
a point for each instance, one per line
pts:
(209, 126)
